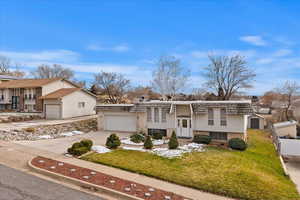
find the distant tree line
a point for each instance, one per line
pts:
(224, 77)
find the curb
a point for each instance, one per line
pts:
(96, 188)
(283, 166)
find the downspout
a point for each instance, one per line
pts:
(192, 113)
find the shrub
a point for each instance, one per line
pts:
(76, 145)
(202, 139)
(113, 141)
(157, 136)
(79, 148)
(173, 143)
(78, 151)
(137, 138)
(238, 144)
(148, 143)
(87, 143)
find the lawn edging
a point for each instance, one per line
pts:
(99, 189)
(284, 166)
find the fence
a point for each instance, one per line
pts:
(276, 140)
(286, 147)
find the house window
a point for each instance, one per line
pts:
(218, 135)
(156, 115)
(29, 96)
(81, 104)
(149, 115)
(163, 115)
(210, 117)
(152, 131)
(223, 117)
(25, 96)
(184, 123)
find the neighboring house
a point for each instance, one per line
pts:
(222, 120)
(256, 121)
(296, 109)
(57, 98)
(286, 129)
(5, 78)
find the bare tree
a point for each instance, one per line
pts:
(54, 71)
(4, 64)
(227, 75)
(288, 91)
(113, 84)
(169, 78)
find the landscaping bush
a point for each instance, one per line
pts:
(173, 142)
(76, 145)
(78, 151)
(238, 144)
(113, 141)
(79, 148)
(157, 136)
(137, 138)
(202, 139)
(87, 143)
(148, 143)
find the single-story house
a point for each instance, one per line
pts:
(222, 120)
(68, 102)
(57, 98)
(256, 121)
(286, 129)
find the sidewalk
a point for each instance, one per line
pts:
(17, 156)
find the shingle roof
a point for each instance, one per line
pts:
(27, 83)
(60, 93)
(7, 77)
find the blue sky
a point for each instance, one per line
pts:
(128, 36)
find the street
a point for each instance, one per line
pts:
(16, 185)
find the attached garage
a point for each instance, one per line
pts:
(256, 121)
(52, 111)
(120, 122)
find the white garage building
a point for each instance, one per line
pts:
(68, 102)
(256, 121)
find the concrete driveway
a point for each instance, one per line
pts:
(293, 167)
(60, 145)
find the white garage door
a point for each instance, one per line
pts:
(120, 123)
(53, 112)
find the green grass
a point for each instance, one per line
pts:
(253, 174)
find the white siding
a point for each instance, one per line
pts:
(235, 123)
(56, 85)
(71, 101)
(290, 131)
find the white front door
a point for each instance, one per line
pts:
(184, 127)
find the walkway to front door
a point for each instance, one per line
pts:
(184, 127)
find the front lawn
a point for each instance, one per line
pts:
(253, 174)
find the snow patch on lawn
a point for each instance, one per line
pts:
(69, 134)
(129, 142)
(155, 142)
(100, 149)
(134, 148)
(171, 153)
(43, 137)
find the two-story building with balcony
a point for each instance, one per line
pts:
(50, 96)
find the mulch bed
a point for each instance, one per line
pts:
(104, 180)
